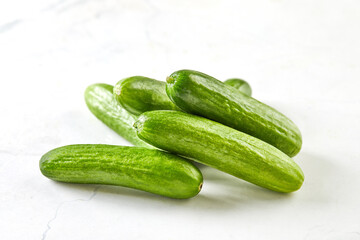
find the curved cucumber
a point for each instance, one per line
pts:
(134, 167)
(240, 85)
(200, 94)
(100, 100)
(141, 94)
(221, 147)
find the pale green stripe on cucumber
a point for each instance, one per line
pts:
(141, 94)
(221, 147)
(100, 101)
(145, 169)
(200, 94)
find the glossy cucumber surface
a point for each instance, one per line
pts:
(141, 94)
(203, 95)
(100, 101)
(220, 147)
(240, 85)
(145, 169)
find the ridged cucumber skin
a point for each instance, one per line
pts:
(240, 84)
(100, 101)
(141, 94)
(145, 169)
(203, 95)
(220, 147)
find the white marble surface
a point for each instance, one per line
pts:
(302, 57)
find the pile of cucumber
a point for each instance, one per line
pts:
(191, 116)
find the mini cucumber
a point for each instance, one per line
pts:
(220, 147)
(141, 94)
(240, 85)
(145, 169)
(203, 95)
(100, 100)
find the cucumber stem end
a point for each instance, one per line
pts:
(170, 80)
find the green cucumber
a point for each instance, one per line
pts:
(145, 169)
(240, 85)
(141, 94)
(220, 147)
(100, 100)
(203, 95)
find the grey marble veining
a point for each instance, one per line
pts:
(300, 57)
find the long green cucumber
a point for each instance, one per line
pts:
(220, 147)
(240, 85)
(100, 100)
(145, 169)
(203, 95)
(141, 94)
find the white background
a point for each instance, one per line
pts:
(301, 57)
